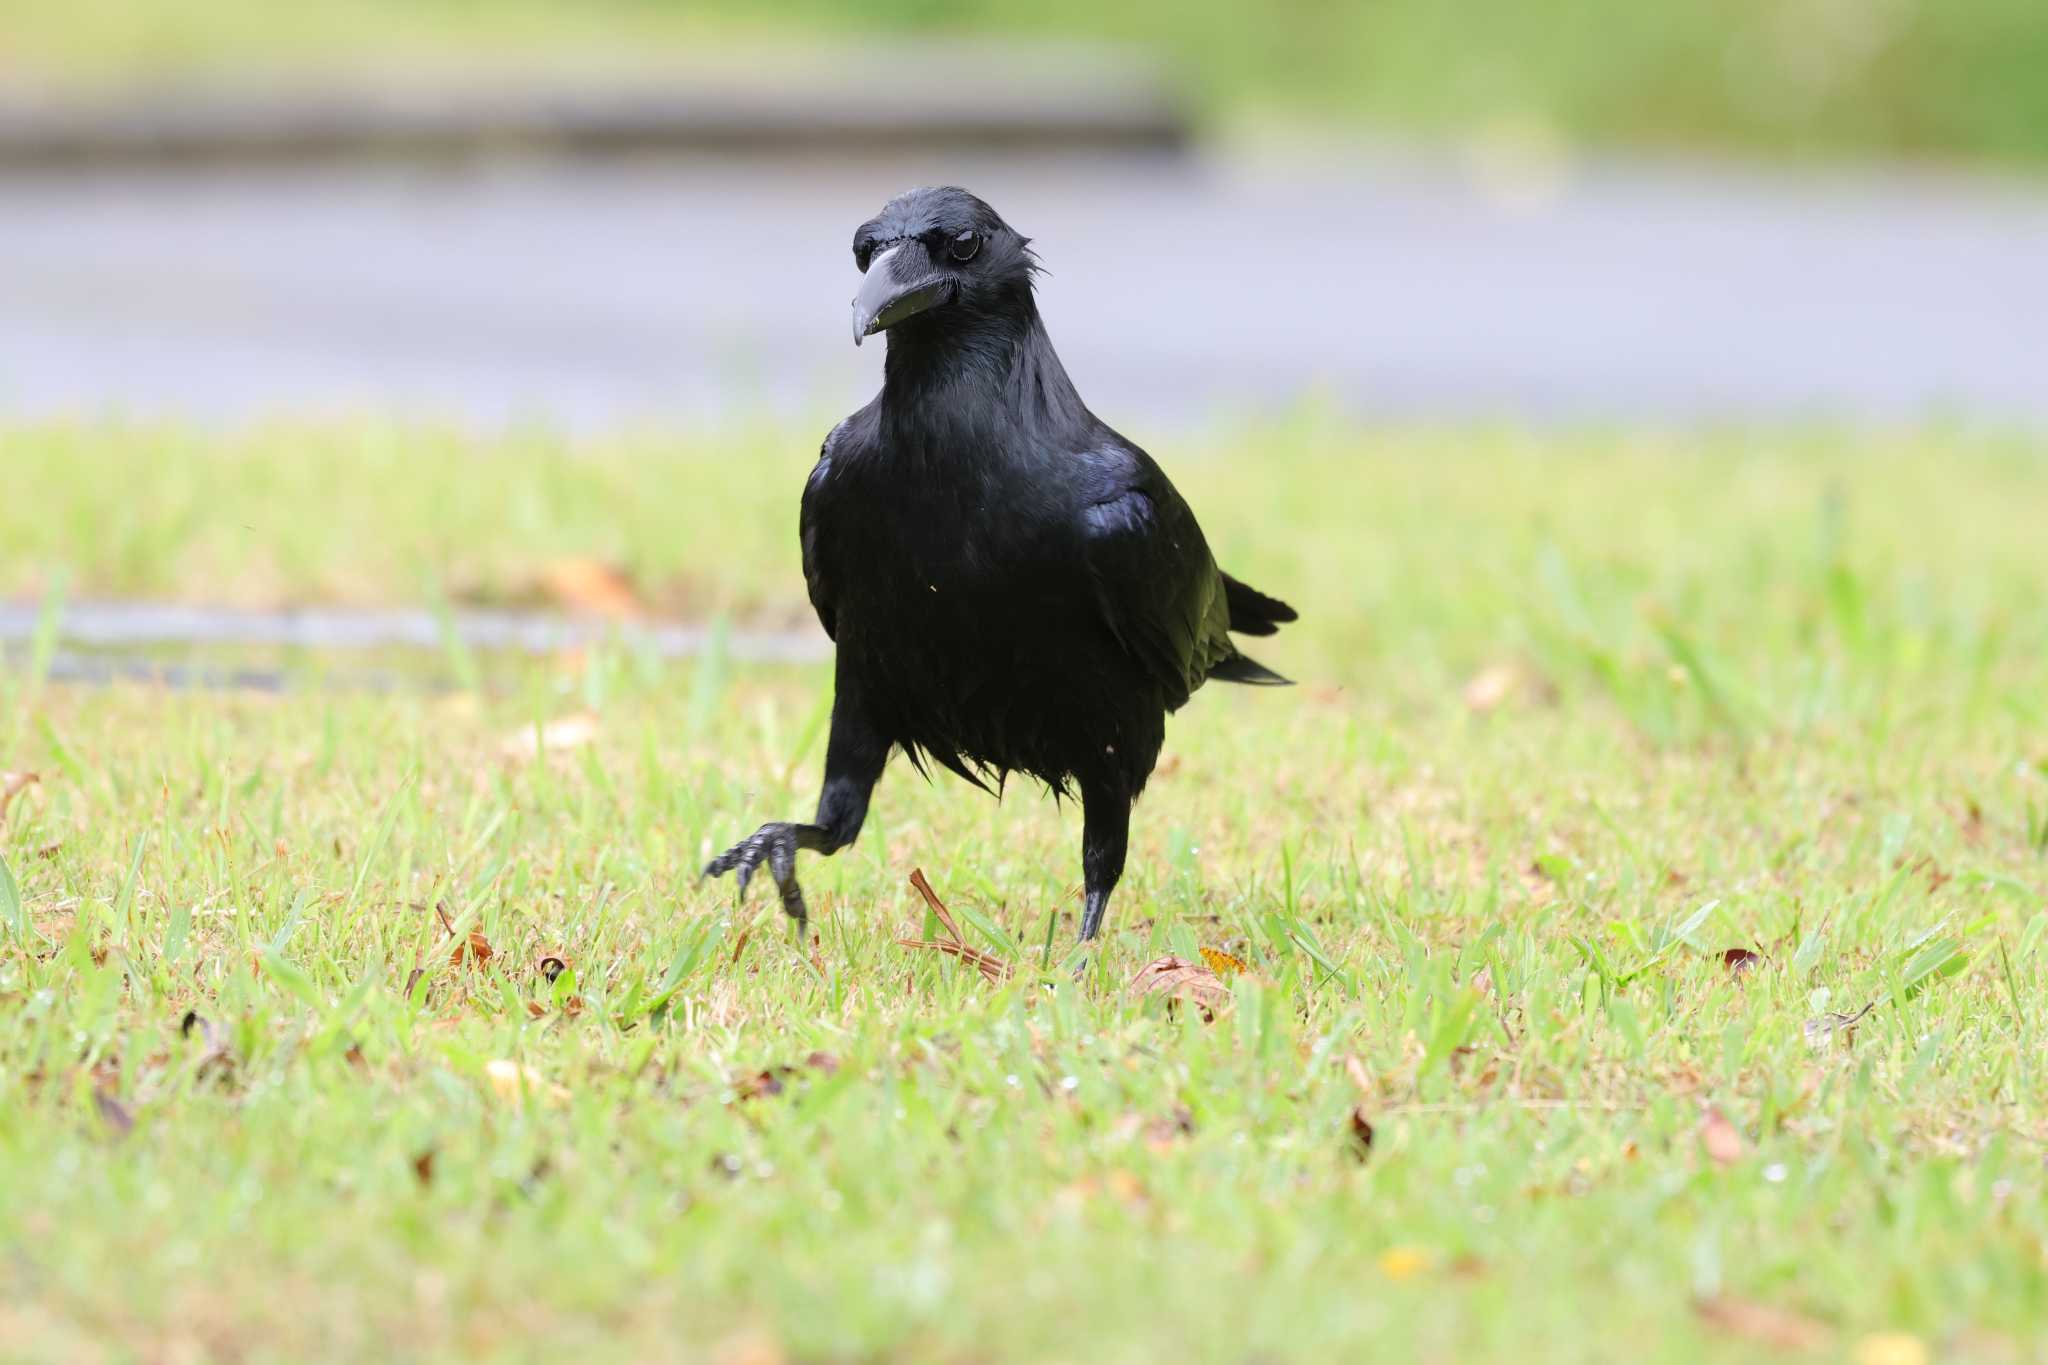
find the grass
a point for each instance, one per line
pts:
(1579, 714)
(1924, 77)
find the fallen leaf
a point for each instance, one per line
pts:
(12, 785)
(50, 850)
(412, 980)
(1125, 1186)
(215, 1056)
(536, 1010)
(1360, 1077)
(510, 1081)
(1892, 1348)
(1225, 965)
(1176, 978)
(475, 950)
(423, 1167)
(590, 586)
(1162, 1132)
(1823, 1029)
(572, 1006)
(113, 1113)
(1403, 1263)
(1490, 687)
(748, 1348)
(1779, 1328)
(1720, 1139)
(1360, 1133)
(570, 732)
(762, 1084)
(822, 1061)
(354, 1057)
(1740, 960)
(552, 965)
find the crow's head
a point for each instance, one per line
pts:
(937, 252)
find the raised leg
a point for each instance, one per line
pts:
(1105, 835)
(853, 764)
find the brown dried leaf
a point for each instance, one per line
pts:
(354, 1057)
(762, 1084)
(552, 965)
(570, 732)
(1360, 1077)
(1163, 1131)
(822, 1061)
(423, 1167)
(12, 785)
(216, 1056)
(590, 586)
(753, 1347)
(475, 950)
(1176, 978)
(1740, 960)
(113, 1113)
(1779, 1328)
(1360, 1133)
(1720, 1139)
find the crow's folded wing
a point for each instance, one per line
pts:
(811, 520)
(1155, 582)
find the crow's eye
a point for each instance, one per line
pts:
(965, 247)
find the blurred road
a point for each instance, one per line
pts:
(589, 294)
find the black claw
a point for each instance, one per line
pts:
(776, 845)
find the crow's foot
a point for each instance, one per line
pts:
(775, 844)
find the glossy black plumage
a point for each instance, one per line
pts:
(1011, 585)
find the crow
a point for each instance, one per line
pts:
(1011, 585)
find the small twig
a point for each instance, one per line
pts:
(988, 964)
(938, 907)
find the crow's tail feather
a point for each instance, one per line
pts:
(1252, 612)
(1239, 669)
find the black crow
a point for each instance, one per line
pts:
(1011, 585)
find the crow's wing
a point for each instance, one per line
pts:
(1155, 582)
(811, 521)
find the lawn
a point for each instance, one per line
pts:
(342, 1024)
(1922, 77)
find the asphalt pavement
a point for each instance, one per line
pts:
(587, 294)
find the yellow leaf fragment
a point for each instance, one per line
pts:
(1403, 1263)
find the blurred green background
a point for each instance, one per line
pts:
(1943, 79)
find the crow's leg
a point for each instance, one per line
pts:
(1105, 834)
(853, 764)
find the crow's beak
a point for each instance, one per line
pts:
(900, 282)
